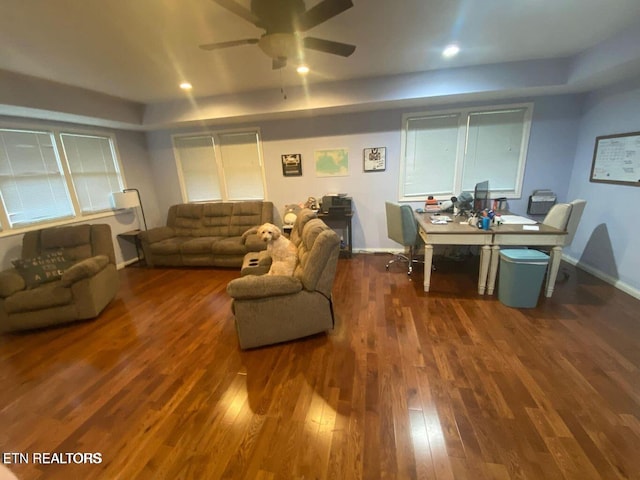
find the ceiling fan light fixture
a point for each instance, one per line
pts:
(278, 45)
(451, 51)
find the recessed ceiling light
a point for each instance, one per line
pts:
(186, 86)
(302, 69)
(450, 51)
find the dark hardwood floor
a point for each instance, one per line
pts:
(444, 385)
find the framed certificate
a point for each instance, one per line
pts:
(616, 159)
(375, 159)
(292, 165)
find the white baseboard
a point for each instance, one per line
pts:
(619, 284)
(122, 265)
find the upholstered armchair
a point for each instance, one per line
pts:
(276, 308)
(65, 274)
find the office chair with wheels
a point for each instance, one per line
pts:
(402, 227)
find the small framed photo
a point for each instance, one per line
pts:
(375, 159)
(292, 165)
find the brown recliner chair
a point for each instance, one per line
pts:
(84, 281)
(276, 308)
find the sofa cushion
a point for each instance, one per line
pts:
(198, 245)
(316, 250)
(169, 246)
(45, 296)
(246, 215)
(188, 217)
(229, 246)
(215, 219)
(75, 241)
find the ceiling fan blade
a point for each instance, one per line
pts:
(328, 46)
(278, 63)
(322, 12)
(239, 10)
(232, 43)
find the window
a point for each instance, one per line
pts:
(94, 170)
(220, 166)
(48, 175)
(445, 153)
(32, 182)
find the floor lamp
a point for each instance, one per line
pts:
(129, 198)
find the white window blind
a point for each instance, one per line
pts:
(446, 153)
(430, 155)
(220, 166)
(32, 182)
(197, 165)
(242, 166)
(94, 170)
(494, 144)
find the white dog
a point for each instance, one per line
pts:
(280, 249)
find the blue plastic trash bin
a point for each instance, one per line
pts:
(522, 272)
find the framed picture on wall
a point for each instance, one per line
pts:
(332, 163)
(292, 165)
(375, 159)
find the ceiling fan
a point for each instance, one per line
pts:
(284, 21)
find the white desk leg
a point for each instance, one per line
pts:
(554, 265)
(485, 257)
(493, 269)
(428, 260)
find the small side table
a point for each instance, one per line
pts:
(132, 237)
(340, 219)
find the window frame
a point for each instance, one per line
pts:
(464, 114)
(77, 216)
(221, 177)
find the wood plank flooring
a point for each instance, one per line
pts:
(444, 385)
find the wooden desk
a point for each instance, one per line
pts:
(490, 241)
(454, 233)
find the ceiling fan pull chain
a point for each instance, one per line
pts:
(284, 94)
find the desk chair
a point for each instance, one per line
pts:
(558, 216)
(402, 227)
(577, 208)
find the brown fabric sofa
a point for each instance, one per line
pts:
(86, 285)
(206, 234)
(275, 308)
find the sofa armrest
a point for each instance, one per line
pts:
(10, 282)
(156, 234)
(251, 241)
(261, 286)
(84, 269)
(247, 233)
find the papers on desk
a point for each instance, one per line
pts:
(440, 219)
(530, 227)
(517, 220)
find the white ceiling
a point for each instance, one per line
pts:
(140, 50)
